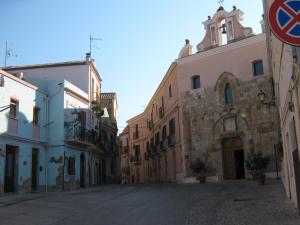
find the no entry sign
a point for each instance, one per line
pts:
(284, 20)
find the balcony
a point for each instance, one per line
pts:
(171, 140)
(125, 171)
(163, 145)
(146, 155)
(80, 136)
(125, 150)
(136, 159)
(150, 124)
(135, 135)
(154, 149)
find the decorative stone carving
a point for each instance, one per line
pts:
(186, 50)
(233, 28)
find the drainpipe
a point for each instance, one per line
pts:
(48, 99)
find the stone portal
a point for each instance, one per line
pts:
(233, 158)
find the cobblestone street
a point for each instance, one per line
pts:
(226, 203)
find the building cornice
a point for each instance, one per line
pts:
(19, 138)
(223, 49)
(59, 64)
(46, 65)
(25, 83)
(164, 80)
(76, 95)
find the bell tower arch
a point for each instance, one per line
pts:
(224, 27)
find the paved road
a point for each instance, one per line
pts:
(226, 203)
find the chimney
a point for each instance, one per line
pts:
(88, 56)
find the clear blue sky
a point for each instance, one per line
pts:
(140, 38)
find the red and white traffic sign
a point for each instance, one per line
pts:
(284, 20)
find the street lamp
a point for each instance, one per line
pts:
(262, 98)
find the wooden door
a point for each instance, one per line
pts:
(229, 159)
(229, 165)
(34, 169)
(9, 180)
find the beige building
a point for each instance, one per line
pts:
(207, 107)
(284, 65)
(124, 156)
(109, 130)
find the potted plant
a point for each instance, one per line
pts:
(96, 108)
(199, 168)
(257, 164)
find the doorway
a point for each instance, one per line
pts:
(233, 159)
(239, 164)
(10, 169)
(82, 170)
(34, 169)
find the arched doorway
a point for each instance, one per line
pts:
(82, 170)
(137, 175)
(233, 158)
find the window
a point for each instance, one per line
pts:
(170, 91)
(258, 68)
(13, 111)
(196, 82)
(71, 166)
(228, 95)
(172, 126)
(164, 133)
(157, 139)
(136, 133)
(137, 150)
(35, 119)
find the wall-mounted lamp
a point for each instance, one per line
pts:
(2, 81)
(291, 106)
(262, 98)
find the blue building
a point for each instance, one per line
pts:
(22, 135)
(72, 152)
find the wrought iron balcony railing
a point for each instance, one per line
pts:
(74, 132)
(135, 158)
(171, 140)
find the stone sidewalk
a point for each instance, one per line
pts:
(244, 203)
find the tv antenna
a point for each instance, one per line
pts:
(220, 2)
(8, 53)
(91, 43)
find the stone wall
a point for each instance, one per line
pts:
(208, 121)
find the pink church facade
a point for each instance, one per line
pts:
(207, 107)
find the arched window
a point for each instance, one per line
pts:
(196, 82)
(228, 95)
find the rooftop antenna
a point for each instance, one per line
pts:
(91, 41)
(220, 2)
(8, 53)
